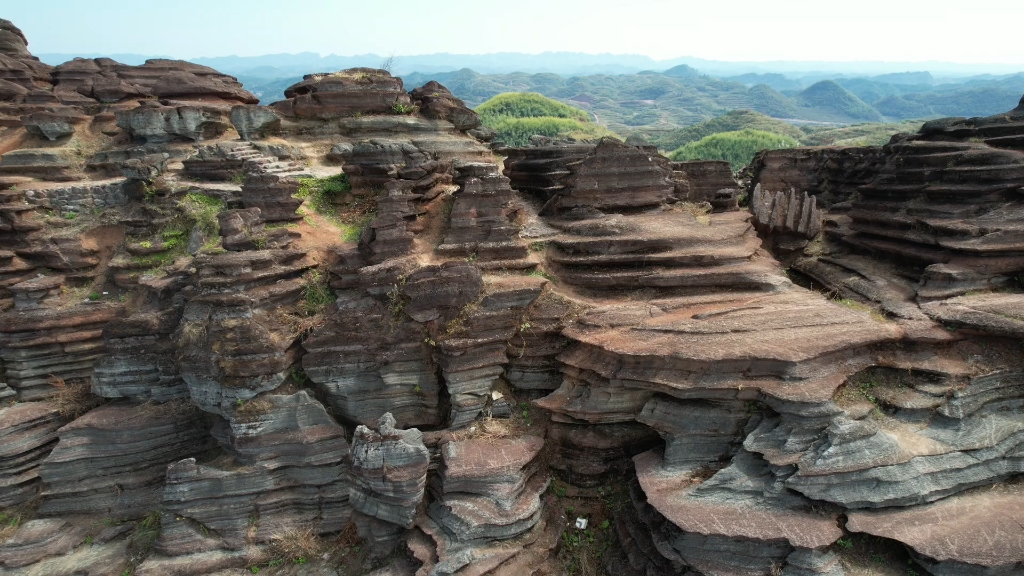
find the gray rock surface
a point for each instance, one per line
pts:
(112, 460)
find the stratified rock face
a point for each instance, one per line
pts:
(112, 460)
(743, 510)
(235, 340)
(368, 363)
(28, 432)
(482, 222)
(341, 94)
(999, 131)
(830, 174)
(708, 181)
(289, 469)
(273, 195)
(973, 533)
(389, 477)
(18, 68)
(39, 539)
(39, 344)
(999, 314)
(83, 81)
(255, 121)
(437, 102)
(609, 175)
(140, 361)
(489, 489)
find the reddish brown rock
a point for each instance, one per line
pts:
(28, 432)
(436, 101)
(973, 533)
(344, 93)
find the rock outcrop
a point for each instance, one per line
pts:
(112, 461)
(28, 432)
(389, 478)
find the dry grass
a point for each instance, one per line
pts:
(179, 408)
(73, 398)
(297, 544)
(701, 211)
(252, 410)
(192, 334)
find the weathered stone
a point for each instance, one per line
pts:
(112, 461)
(254, 121)
(28, 432)
(389, 472)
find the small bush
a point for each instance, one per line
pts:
(399, 108)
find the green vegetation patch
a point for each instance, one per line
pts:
(201, 210)
(738, 148)
(731, 122)
(527, 105)
(517, 131)
(517, 116)
(327, 198)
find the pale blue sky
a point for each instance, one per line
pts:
(976, 31)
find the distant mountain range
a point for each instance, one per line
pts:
(633, 94)
(563, 63)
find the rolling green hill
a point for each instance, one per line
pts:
(828, 101)
(729, 122)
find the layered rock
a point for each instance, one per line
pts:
(482, 221)
(112, 461)
(389, 475)
(608, 175)
(999, 131)
(140, 361)
(367, 363)
(40, 344)
(245, 230)
(287, 468)
(437, 102)
(708, 181)
(229, 160)
(237, 309)
(974, 533)
(474, 344)
(341, 94)
(273, 195)
(487, 490)
(28, 432)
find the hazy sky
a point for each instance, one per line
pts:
(975, 31)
